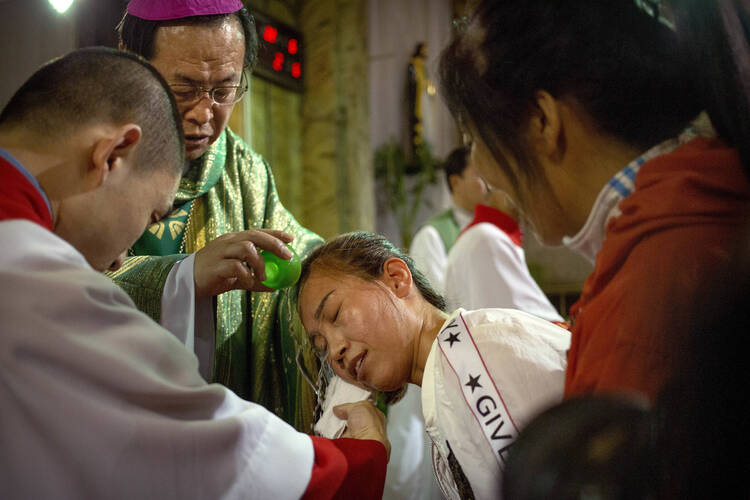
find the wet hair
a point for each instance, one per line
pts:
(621, 65)
(363, 255)
(589, 447)
(101, 85)
(456, 163)
(138, 35)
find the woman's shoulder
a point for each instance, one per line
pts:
(495, 325)
(510, 344)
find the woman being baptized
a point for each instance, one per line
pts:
(483, 373)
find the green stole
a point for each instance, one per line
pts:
(228, 189)
(447, 227)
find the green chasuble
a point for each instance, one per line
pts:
(229, 189)
(447, 227)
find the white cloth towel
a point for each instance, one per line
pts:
(338, 392)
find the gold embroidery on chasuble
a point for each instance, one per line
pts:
(175, 225)
(231, 189)
(194, 237)
(157, 229)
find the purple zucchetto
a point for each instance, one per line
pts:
(163, 10)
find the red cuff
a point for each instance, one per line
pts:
(347, 468)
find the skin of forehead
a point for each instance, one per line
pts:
(338, 278)
(190, 41)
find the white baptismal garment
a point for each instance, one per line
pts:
(489, 372)
(487, 268)
(98, 401)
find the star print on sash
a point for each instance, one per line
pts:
(473, 382)
(452, 337)
(463, 360)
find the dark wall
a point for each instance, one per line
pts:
(96, 21)
(31, 33)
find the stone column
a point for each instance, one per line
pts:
(338, 186)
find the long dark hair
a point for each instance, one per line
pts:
(715, 35)
(621, 65)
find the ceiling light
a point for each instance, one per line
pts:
(61, 5)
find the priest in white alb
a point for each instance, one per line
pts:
(96, 399)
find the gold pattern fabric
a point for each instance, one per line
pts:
(257, 334)
(164, 237)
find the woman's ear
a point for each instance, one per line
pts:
(397, 277)
(545, 128)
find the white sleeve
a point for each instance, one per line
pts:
(190, 320)
(428, 251)
(98, 401)
(486, 269)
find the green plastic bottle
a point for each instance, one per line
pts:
(281, 273)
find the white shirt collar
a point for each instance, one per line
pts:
(590, 238)
(463, 217)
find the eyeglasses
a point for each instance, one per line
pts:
(223, 96)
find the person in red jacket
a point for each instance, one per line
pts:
(98, 401)
(586, 116)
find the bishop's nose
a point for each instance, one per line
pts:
(203, 111)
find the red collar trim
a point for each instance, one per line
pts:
(503, 221)
(19, 199)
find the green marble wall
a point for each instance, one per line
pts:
(318, 143)
(276, 133)
(336, 159)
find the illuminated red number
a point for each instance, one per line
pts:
(269, 34)
(292, 46)
(278, 61)
(296, 70)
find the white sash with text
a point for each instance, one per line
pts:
(478, 388)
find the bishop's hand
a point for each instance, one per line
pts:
(364, 421)
(232, 261)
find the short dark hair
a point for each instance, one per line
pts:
(621, 65)
(99, 84)
(138, 35)
(456, 163)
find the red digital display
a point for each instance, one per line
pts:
(292, 47)
(278, 61)
(280, 53)
(269, 34)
